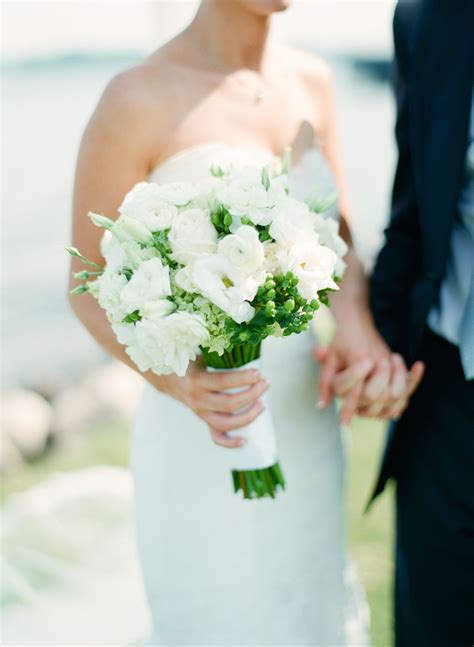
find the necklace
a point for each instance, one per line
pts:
(258, 92)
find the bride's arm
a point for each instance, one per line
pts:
(116, 151)
(358, 364)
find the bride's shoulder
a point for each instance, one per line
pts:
(310, 68)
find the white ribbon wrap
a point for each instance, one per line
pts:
(260, 449)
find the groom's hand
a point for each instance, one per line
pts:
(359, 368)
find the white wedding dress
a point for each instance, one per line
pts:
(220, 571)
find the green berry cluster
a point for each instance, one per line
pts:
(278, 306)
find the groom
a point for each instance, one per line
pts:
(422, 303)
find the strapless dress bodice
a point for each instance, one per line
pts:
(192, 164)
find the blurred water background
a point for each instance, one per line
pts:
(50, 87)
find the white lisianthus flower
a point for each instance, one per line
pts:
(145, 204)
(183, 279)
(313, 265)
(243, 249)
(192, 234)
(167, 344)
(112, 251)
(244, 197)
(292, 224)
(127, 229)
(220, 281)
(149, 283)
(271, 264)
(110, 285)
(328, 232)
(136, 254)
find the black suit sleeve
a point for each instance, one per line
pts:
(399, 261)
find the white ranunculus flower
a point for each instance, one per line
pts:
(167, 344)
(243, 249)
(110, 286)
(125, 333)
(328, 232)
(150, 282)
(192, 234)
(292, 224)
(220, 281)
(145, 204)
(179, 193)
(313, 265)
(127, 229)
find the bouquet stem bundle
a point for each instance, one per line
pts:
(253, 483)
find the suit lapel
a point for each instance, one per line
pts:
(442, 89)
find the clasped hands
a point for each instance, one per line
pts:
(358, 367)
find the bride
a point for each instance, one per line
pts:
(218, 570)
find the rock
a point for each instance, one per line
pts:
(10, 456)
(117, 387)
(26, 420)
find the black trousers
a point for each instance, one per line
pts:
(434, 598)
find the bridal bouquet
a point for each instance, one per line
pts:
(216, 267)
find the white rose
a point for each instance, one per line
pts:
(292, 224)
(110, 286)
(145, 204)
(167, 344)
(313, 265)
(243, 249)
(150, 282)
(218, 280)
(192, 234)
(328, 232)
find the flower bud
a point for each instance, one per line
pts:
(269, 284)
(289, 305)
(227, 220)
(314, 304)
(101, 221)
(125, 229)
(271, 294)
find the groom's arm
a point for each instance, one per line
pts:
(398, 264)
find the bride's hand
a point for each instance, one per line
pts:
(204, 392)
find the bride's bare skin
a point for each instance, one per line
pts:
(203, 86)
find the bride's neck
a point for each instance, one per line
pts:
(230, 34)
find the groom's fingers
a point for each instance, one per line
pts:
(377, 384)
(415, 377)
(398, 383)
(349, 404)
(345, 380)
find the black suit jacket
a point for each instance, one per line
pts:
(434, 74)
